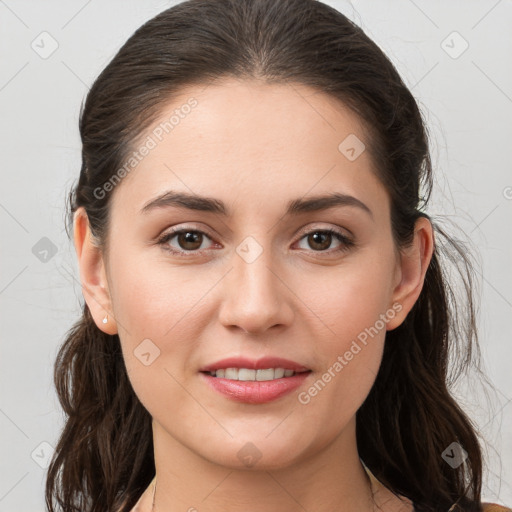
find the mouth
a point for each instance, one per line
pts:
(252, 375)
(254, 381)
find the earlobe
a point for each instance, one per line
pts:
(91, 265)
(414, 262)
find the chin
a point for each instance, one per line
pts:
(260, 454)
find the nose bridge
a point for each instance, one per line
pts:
(254, 300)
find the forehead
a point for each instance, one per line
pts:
(266, 143)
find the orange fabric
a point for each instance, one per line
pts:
(492, 507)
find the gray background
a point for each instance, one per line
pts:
(467, 100)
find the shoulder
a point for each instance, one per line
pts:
(492, 507)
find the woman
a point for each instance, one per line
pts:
(267, 321)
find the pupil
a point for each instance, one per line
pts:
(190, 238)
(326, 236)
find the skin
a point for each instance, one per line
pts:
(254, 146)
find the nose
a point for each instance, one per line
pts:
(256, 297)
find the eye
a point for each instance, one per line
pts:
(189, 241)
(321, 239)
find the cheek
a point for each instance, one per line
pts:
(353, 304)
(157, 300)
(158, 310)
(351, 355)
(352, 298)
(340, 388)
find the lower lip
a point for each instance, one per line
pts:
(255, 392)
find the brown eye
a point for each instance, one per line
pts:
(183, 241)
(321, 239)
(189, 240)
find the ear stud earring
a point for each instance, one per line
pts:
(105, 320)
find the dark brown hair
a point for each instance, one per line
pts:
(104, 457)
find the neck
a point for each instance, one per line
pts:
(331, 478)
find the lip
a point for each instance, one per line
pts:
(255, 392)
(252, 364)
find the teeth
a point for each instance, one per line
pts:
(246, 374)
(231, 373)
(279, 373)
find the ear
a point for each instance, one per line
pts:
(92, 273)
(411, 270)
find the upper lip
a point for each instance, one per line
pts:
(253, 364)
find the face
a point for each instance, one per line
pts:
(261, 276)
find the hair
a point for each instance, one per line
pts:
(104, 457)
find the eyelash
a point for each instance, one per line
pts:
(346, 243)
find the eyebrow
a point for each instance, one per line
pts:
(208, 204)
